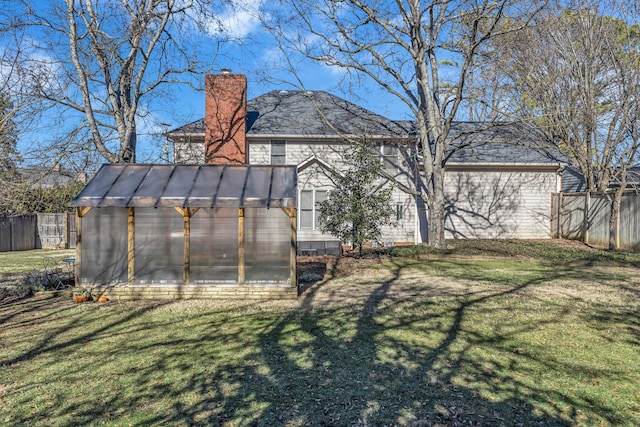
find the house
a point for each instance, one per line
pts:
(498, 182)
(50, 177)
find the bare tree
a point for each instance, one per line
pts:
(422, 53)
(576, 75)
(100, 62)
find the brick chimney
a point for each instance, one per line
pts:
(225, 119)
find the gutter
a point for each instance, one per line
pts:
(290, 137)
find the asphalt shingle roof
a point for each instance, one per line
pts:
(298, 113)
(475, 142)
(282, 112)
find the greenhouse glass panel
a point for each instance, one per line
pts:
(283, 185)
(159, 246)
(267, 244)
(120, 192)
(93, 194)
(205, 187)
(150, 190)
(176, 190)
(257, 186)
(232, 185)
(104, 246)
(214, 246)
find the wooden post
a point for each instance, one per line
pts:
(618, 223)
(293, 248)
(80, 212)
(587, 209)
(78, 245)
(187, 245)
(560, 213)
(65, 243)
(131, 246)
(293, 251)
(241, 258)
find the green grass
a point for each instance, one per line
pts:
(20, 262)
(549, 251)
(395, 341)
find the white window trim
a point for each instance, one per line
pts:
(314, 211)
(284, 142)
(383, 156)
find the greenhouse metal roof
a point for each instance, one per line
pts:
(198, 186)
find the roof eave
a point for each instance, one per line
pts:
(286, 136)
(502, 165)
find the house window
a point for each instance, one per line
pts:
(399, 211)
(389, 157)
(321, 196)
(306, 209)
(309, 211)
(278, 153)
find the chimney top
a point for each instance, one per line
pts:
(225, 70)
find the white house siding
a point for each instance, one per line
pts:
(313, 175)
(499, 203)
(482, 202)
(188, 152)
(298, 151)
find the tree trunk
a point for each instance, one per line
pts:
(128, 147)
(436, 211)
(613, 221)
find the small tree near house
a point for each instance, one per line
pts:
(360, 205)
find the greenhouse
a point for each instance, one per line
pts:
(188, 231)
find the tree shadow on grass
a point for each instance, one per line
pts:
(393, 358)
(319, 375)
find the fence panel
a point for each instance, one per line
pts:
(5, 234)
(34, 231)
(572, 216)
(51, 230)
(630, 222)
(23, 232)
(599, 216)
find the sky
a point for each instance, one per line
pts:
(249, 50)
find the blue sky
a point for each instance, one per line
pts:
(250, 50)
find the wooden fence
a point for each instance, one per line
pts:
(35, 231)
(585, 217)
(18, 233)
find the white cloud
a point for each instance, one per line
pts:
(24, 70)
(237, 20)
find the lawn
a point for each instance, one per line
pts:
(13, 263)
(408, 339)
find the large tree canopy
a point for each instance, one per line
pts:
(102, 62)
(421, 52)
(576, 74)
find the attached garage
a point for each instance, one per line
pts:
(498, 201)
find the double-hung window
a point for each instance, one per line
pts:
(389, 157)
(278, 153)
(321, 196)
(309, 211)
